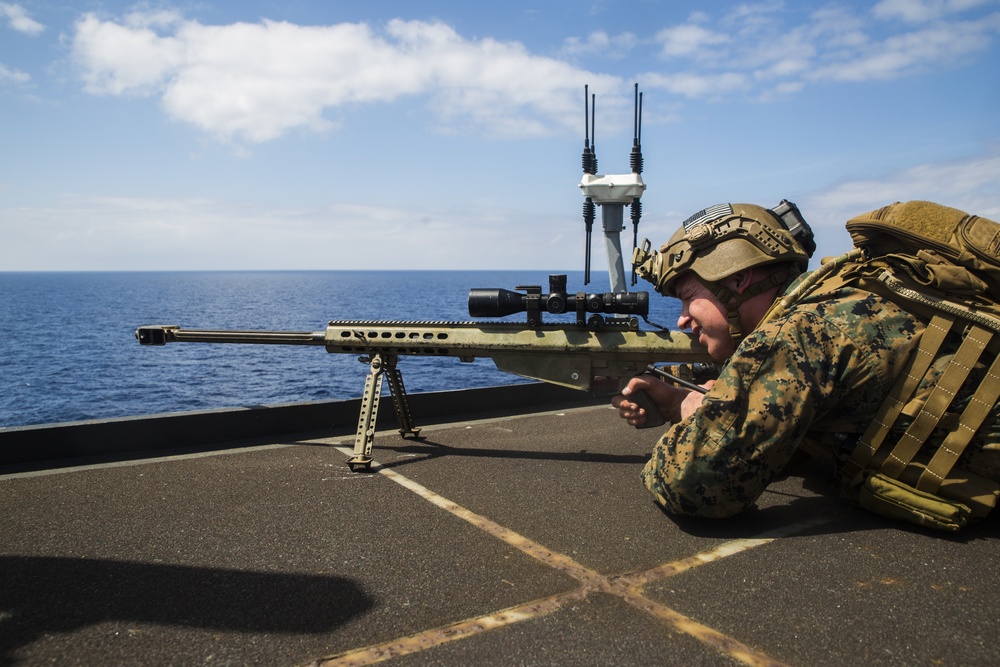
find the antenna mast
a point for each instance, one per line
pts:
(611, 193)
(635, 162)
(589, 167)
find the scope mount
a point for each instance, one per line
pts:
(537, 303)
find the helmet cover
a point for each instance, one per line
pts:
(718, 242)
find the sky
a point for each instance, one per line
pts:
(267, 135)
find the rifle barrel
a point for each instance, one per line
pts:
(161, 334)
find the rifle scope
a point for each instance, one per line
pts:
(500, 302)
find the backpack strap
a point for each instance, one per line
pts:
(917, 365)
(825, 277)
(937, 403)
(980, 340)
(979, 408)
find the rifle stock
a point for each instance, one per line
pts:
(565, 355)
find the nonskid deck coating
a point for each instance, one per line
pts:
(524, 540)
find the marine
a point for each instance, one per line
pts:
(819, 362)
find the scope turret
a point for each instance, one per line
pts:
(498, 302)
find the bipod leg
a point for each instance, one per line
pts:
(365, 436)
(399, 399)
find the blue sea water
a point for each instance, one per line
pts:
(68, 351)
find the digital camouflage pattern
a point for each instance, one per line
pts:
(818, 374)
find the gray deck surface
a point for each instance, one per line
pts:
(526, 540)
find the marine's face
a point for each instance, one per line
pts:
(705, 316)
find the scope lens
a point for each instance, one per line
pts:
(495, 302)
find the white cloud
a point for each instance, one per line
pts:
(753, 46)
(595, 42)
(599, 43)
(940, 45)
(747, 19)
(13, 75)
(124, 59)
(688, 40)
(920, 11)
(971, 184)
(132, 233)
(18, 19)
(694, 85)
(256, 81)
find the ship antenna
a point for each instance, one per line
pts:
(589, 167)
(635, 161)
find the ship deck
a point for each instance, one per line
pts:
(520, 539)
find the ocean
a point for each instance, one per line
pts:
(68, 350)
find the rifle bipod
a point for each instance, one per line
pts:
(380, 366)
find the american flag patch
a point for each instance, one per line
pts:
(706, 214)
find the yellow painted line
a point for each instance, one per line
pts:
(530, 547)
(449, 633)
(725, 644)
(534, 549)
(723, 551)
(627, 587)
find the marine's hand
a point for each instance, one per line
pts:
(674, 403)
(693, 400)
(658, 393)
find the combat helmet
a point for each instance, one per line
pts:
(725, 239)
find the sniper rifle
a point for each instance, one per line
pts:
(570, 355)
(566, 354)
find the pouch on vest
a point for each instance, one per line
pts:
(895, 500)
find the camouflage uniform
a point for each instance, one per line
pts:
(820, 372)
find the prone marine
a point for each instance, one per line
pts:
(882, 362)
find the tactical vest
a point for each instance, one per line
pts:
(943, 266)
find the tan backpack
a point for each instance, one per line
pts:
(944, 265)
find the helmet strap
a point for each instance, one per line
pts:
(733, 299)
